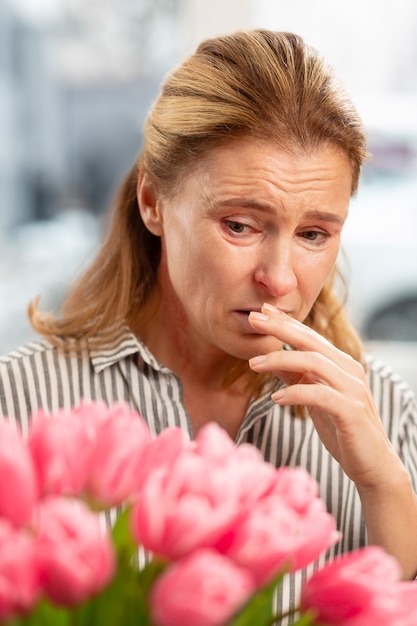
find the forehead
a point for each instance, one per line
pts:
(253, 164)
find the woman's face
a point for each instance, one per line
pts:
(251, 224)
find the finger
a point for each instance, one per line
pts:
(341, 410)
(290, 331)
(312, 367)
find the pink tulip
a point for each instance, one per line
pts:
(76, 557)
(192, 494)
(273, 537)
(19, 576)
(249, 477)
(93, 412)
(212, 494)
(296, 486)
(203, 589)
(18, 485)
(213, 442)
(359, 589)
(61, 447)
(181, 508)
(164, 451)
(117, 459)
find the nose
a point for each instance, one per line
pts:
(276, 271)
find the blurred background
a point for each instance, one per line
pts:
(77, 78)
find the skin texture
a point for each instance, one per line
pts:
(251, 225)
(248, 240)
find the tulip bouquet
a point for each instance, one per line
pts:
(102, 523)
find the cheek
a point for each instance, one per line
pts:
(313, 274)
(319, 265)
(186, 271)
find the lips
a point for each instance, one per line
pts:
(247, 311)
(259, 309)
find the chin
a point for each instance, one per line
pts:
(262, 344)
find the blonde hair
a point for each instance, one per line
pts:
(259, 84)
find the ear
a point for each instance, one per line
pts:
(149, 205)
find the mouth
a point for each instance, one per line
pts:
(243, 324)
(257, 309)
(247, 311)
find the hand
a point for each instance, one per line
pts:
(334, 388)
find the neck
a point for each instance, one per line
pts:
(166, 335)
(216, 386)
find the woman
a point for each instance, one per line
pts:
(213, 299)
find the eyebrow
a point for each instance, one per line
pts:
(324, 216)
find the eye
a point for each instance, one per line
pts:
(311, 235)
(314, 236)
(236, 227)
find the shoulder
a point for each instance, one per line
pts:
(384, 381)
(394, 399)
(26, 356)
(36, 375)
(36, 357)
(40, 375)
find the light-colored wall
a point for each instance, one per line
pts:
(199, 19)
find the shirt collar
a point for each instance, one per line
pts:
(124, 345)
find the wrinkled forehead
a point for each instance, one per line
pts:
(254, 153)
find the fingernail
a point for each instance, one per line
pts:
(257, 360)
(255, 315)
(278, 395)
(269, 307)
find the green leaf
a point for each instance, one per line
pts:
(114, 604)
(125, 601)
(260, 609)
(306, 619)
(45, 614)
(122, 536)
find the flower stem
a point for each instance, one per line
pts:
(305, 619)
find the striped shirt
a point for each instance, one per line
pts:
(40, 376)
